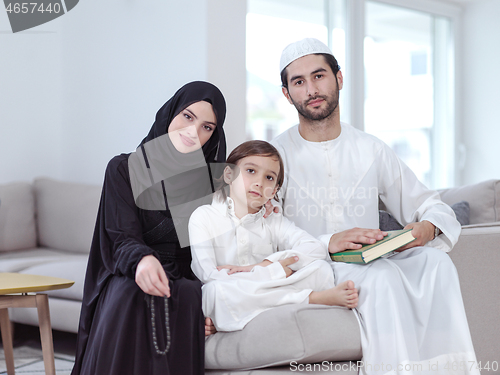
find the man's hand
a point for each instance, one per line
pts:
(234, 269)
(286, 262)
(209, 327)
(270, 208)
(423, 232)
(354, 238)
(151, 277)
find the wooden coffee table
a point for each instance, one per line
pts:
(14, 289)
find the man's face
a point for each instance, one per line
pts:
(312, 87)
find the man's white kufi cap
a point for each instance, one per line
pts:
(302, 48)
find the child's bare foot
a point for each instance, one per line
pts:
(344, 294)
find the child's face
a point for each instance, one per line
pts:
(256, 182)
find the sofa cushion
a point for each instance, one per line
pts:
(483, 198)
(16, 261)
(303, 333)
(72, 268)
(462, 212)
(387, 221)
(64, 316)
(66, 214)
(17, 217)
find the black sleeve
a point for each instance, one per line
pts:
(118, 227)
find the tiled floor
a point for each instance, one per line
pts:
(28, 354)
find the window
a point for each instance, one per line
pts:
(271, 26)
(399, 64)
(406, 97)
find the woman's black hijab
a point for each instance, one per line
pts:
(118, 243)
(165, 179)
(215, 149)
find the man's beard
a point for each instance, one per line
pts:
(332, 103)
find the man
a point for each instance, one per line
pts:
(410, 307)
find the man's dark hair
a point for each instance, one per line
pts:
(330, 59)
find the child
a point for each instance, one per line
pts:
(249, 263)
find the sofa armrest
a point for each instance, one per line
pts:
(477, 258)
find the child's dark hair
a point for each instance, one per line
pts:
(251, 148)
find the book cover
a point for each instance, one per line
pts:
(394, 240)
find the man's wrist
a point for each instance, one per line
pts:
(435, 230)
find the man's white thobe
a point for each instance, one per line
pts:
(410, 307)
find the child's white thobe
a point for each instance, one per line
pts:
(219, 238)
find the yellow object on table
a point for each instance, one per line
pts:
(15, 283)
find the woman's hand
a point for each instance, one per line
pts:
(151, 277)
(209, 327)
(270, 208)
(233, 269)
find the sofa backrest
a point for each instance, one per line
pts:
(17, 217)
(483, 198)
(66, 214)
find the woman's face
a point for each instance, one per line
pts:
(192, 127)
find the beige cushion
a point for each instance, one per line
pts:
(303, 333)
(66, 214)
(483, 198)
(17, 217)
(64, 316)
(71, 268)
(16, 261)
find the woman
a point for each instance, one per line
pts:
(127, 323)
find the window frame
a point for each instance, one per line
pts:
(445, 160)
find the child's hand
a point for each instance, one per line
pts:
(286, 262)
(233, 269)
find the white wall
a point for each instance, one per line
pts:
(226, 46)
(85, 87)
(30, 97)
(481, 91)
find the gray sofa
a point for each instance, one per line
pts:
(329, 336)
(46, 228)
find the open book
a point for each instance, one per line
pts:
(394, 240)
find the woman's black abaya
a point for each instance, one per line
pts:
(115, 335)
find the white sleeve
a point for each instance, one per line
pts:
(204, 261)
(408, 200)
(293, 241)
(325, 238)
